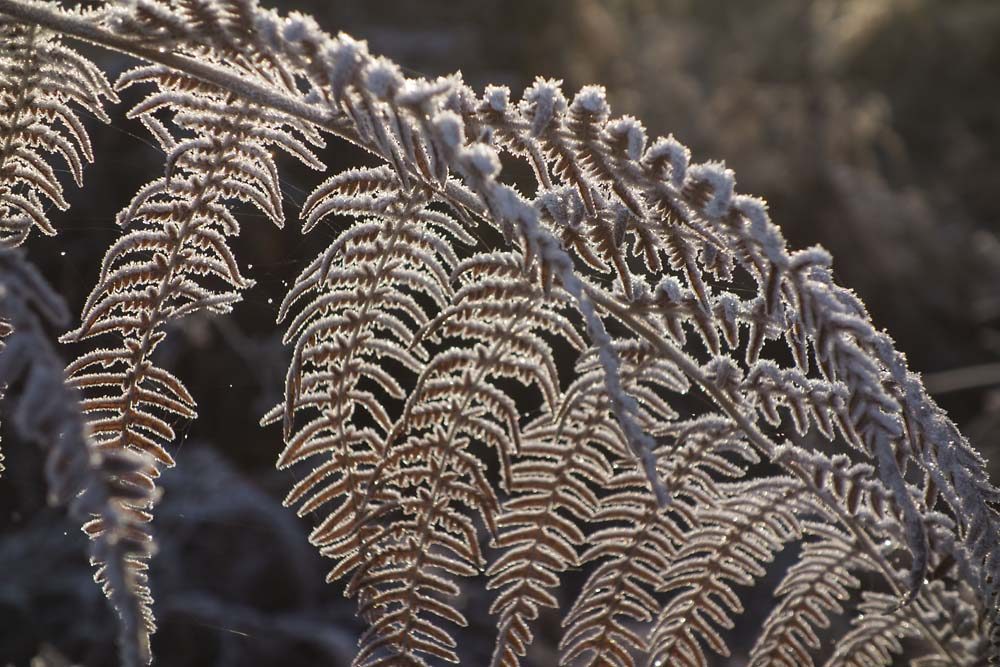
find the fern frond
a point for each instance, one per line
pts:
(495, 324)
(173, 261)
(41, 80)
(813, 589)
(640, 540)
(634, 551)
(564, 453)
(110, 493)
(624, 247)
(729, 545)
(881, 628)
(363, 303)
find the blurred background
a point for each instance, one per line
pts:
(872, 127)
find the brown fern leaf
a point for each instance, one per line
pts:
(41, 80)
(813, 589)
(640, 540)
(882, 626)
(596, 141)
(362, 302)
(495, 323)
(728, 546)
(618, 591)
(173, 261)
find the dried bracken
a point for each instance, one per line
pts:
(690, 442)
(110, 492)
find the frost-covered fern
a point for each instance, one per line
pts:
(725, 401)
(109, 491)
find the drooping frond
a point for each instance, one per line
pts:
(360, 307)
(41, 81)
(814, 588)
(173, 258)
(110, 493)
(494, 332)
(497, 329)
(632, 538)
(686, 449)
(728, 546)
(881, 628)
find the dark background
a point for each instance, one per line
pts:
(871, 127)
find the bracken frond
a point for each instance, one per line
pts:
(617, 365)
(109, 492)
(41, 81)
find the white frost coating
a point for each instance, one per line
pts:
(383, 78)
(547, 99)
(146, 18)
(814, 256)
(958, 469)
(419, 92)
(729, 305)
(563, 205)
(554, 203)
(727, 309)
(762, 230)
(300, 28)
(483, 159)
(724, 372)
(343, 57)
(675, 153)
(889, 423)
(632, 131)
(593, 100)
(892, 477)
(450, 129)
(671, 288)
(498, 97)
(722, 181)
(268, 26)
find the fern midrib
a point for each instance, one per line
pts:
(424, 527)
(713, 576)
(22, 86)
(543, 526)
(795, 601)
(136, 372)
(635, 546)
(336, 397)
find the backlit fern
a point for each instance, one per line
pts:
(686, 443)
